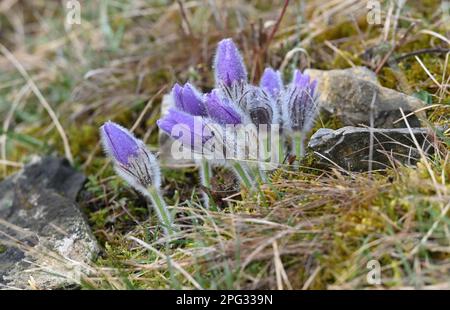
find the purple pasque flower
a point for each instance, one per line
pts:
(228, 65)
(299, 103)
(234, 96)
(221, 110)
(132, 160)
(271, 82)
(188, 99)
(189, 129)
(119, 143)
(303, 81)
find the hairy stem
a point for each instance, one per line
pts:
(298, 141)
(205, 174)
(161, 209)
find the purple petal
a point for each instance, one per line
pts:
(299, 106)
(188, 128)
(313, 87)
(301, 80)
(119, 142)
(188, 99)
(177, 93)
(229, 66)
(221, 111)
(271, 82)
(166, 124)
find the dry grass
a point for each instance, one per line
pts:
(321, 227)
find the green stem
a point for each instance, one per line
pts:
(205, 171)
(282, 151)
(162, 211)
(246, 174)
(298, 141)
(262, 164)
(205, 174)
(242, 174)
(261, 177)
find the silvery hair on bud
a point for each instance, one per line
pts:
(142, 169)
(299, 108)
(260, 106)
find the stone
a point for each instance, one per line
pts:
(44, 238)
(348, 93)
(349, 147)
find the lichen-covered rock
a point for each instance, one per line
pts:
(347, 94)
(44, 238)
(349, 147)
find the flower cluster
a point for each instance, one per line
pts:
(234, 101)
(229, 121)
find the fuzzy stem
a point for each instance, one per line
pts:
(261, 173)
(264, 155)
(298, 143)
(205, 174)
(260, 178)
(161, 209)
(282, 151)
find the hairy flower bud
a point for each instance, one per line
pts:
(271, 82)
(132, 160)
(259, 106)
(228, 65)
(299, 104)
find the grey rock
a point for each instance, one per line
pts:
(44, 238)
(347, 94)
(349, 147)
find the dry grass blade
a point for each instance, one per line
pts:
(10, 163)
(41, 99)
(174, 263)
(422, 154)
(428, 72)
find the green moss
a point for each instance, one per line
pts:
(343, 30)
(327, 120)
(83, 140)
(181, 184)
(427, 9)
(3, 248)
(387, 78)
(105, 215)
